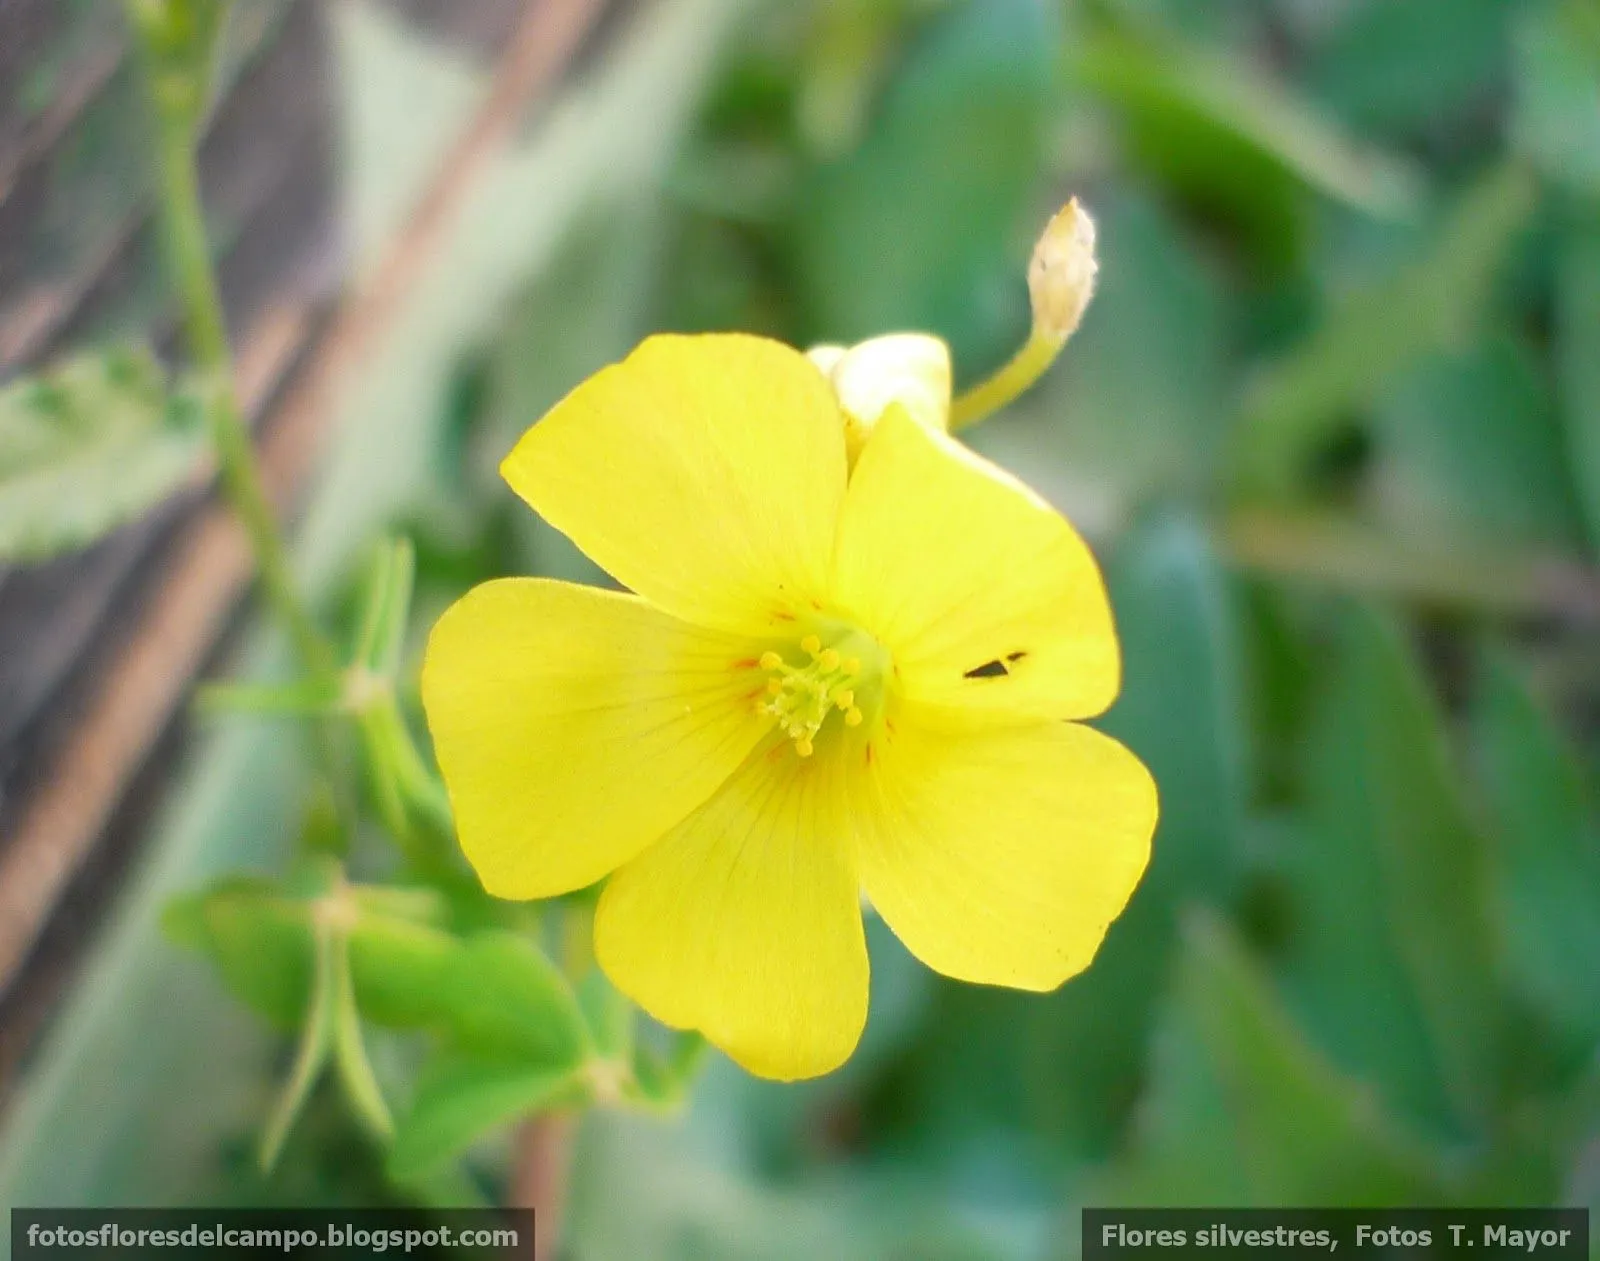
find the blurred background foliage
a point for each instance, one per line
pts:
(1333, 426)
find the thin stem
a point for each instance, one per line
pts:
(208, 336)
(541, 1164)
(1020, 372)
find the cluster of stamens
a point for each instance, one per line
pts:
(802, 697)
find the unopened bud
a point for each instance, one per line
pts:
(1061, 273)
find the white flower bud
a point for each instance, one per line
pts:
(1061, 273)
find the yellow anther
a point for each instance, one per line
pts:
(798, 699)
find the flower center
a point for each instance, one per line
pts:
(844, 676)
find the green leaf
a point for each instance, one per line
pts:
(1409, 69)
(1243, 1109)
(403, 972)
(261, 941)
(931, 215)
(1221, 130)
(1557, 117)
(1471, 449)
(1392, 962)
(1547, 854)
(1299, 402)
(1577, 333)
(92, 443)
(460, 1100)
(1182, 703)
(505, 999)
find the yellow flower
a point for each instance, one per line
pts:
(836, 677)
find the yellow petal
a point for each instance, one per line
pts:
(912, 369)
(705, 473)
(745, 921)
(575, 726)
(1001, 854)
(985, 596)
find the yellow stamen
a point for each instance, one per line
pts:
(799, 698)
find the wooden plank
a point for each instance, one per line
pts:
(65, 822)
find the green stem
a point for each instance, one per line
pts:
(1021, 371)
(202, 305)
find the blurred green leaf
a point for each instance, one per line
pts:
(261, 942)
(505, 999)
(1243, 1110)
(1224, 132)
(1547, 855)
(1471, 447)
(1556, 121)
(1182, 703)
(460, 1100)
(1392, 961)
(1414, 68)
(926, 224)
(1298, 403)
(1577, 337)
(92, 443)
(402, 971)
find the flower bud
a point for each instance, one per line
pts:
(1061, 273)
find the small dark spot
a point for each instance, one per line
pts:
(1014, 657)
(988, 670)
